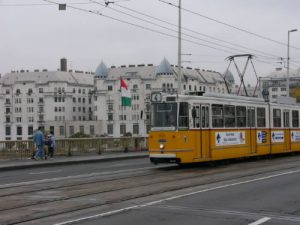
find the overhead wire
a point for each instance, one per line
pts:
(196, 32)
(167, 28)
(229, 25)
(157, 31)
(140, 26)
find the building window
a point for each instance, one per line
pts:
(51, 128)
(110, 107)
(92, 130)
(61, 130)
(71, 130)
(81, 129)
(135, 129)
(148, 86)
(41, 90)
(110, 116)
(7, 131)
(30, 130)
(110, 129)
(109, 88)
(19, 130)
(19, 119)
(123, 129)
(274, 89)
(74, 100)
(7, 91)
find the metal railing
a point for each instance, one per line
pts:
(75, 146)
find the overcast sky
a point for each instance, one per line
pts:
(37, 36)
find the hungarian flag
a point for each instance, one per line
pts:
(125, 94)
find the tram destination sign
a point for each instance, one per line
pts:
(156, 97)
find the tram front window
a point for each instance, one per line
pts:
(164, 115)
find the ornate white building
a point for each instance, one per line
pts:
(68, 102)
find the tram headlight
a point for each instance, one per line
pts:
(161, 146)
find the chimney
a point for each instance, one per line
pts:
(63, 65)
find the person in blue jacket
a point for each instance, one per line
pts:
(39, 141)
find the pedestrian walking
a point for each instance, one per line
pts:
(39, 141)
(51, 144)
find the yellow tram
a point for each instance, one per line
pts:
(190, 128)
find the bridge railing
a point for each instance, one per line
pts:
(75, 146)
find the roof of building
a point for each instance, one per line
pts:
(48, 76)
(279, 73)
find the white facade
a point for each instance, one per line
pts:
(72, 102)
(32, 99)
(274, 85)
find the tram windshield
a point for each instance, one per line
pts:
(164, 115)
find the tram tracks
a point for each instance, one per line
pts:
(54, 198)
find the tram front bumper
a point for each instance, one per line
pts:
(164, 158)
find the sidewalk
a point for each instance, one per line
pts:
(15, 164)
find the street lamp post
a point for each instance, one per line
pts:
(288, 64)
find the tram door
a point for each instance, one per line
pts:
(200, 115)
(286, 125)
(252, 130)
(205, 135)
(196, 112)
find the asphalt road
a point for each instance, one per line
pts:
(264, 199)
(133, 191)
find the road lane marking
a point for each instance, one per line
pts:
(260, 221)
(109, 213)
(45, 172)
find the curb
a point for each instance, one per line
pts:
(48, 163)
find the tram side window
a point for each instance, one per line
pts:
(286, 118)
(196, 116)
(241, 116)
(205, 117)
(276, 117)
(251, 117)
(261, 117)
(217, 115)
(295, 118)
(229, 115)
(183, 115)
